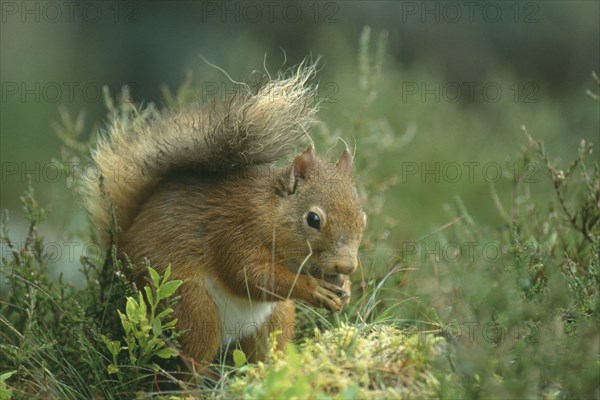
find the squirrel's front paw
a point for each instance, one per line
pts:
(346, 285)
(329, 295)
(343, 281)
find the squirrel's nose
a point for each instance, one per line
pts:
(346, 257)
(346, 265)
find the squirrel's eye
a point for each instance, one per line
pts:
(313, 220)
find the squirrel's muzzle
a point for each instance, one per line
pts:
(346, 266)
(344, 261)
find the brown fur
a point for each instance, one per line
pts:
(237, 233)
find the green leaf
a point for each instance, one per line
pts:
(154, 343)
(154, 367)
(154, 276)
(167, 352)
(149, 296)
(142, 307)
(170, 324)
(167, 289)
(128, 327)
(7, 375)
(5, 392)
(125, 322)
(239, 358)
(131, 309)
(165, 313)
(157, 327)
(112, 345)
(167, 274)
(112, 369)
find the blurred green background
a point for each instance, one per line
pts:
(463, 76)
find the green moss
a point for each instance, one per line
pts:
(346, 362)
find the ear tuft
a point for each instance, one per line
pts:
(300, 166)
(345, 161)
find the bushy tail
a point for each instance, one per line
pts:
(249, 129)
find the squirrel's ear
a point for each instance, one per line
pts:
(300, 167)
(345, 161)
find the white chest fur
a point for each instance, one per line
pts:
(240, 317)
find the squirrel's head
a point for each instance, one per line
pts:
(320, 211)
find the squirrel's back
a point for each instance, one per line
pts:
(249, 129)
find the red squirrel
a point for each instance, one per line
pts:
(247, 238)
